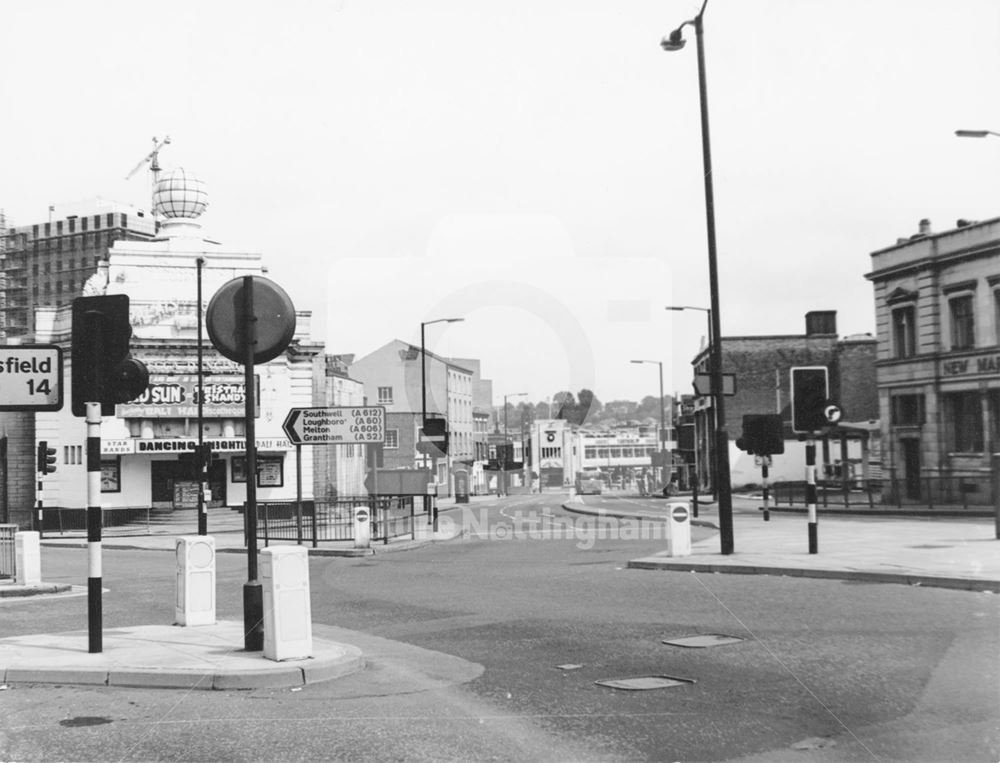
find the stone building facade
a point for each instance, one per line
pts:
(937, 305)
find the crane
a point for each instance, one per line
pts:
(151, 158)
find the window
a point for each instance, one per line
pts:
(392, 438)
(83, 223)
(993, 401)
(962, 322)
(111, 220)
(72, 225)
(996, 314)
(963, 422)
(907, 410)
(385, 395)
(551, 452)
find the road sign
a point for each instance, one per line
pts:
(832, 413)
(679, 513)
(343, 425)
(31, 377)
(703, 384)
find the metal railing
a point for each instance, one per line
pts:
(8, 555)
(941, 492)
(318, 521)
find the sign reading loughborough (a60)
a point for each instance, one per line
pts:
(343, 425)
(31, 377)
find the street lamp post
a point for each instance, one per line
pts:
(664, 473)
(423, 399)
(675, 41)
(975, 133)
(423, 370)
(709, 428)
(506, 437)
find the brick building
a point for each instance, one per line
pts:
(761, 365)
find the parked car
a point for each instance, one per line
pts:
(589, 481)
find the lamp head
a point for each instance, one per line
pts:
(674, 42)
(972, 133)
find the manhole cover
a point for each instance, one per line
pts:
(569, 666)
(930, 545)
(84, 720)
(703, 640)
(644, 683)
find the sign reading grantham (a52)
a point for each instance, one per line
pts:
(31, 377)
(341, 425)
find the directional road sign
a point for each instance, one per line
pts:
(344, 425)
(703, 384)
(31, 377)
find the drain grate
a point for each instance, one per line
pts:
(703, 640)
(569, 666)
(930, 545)
(644, 683)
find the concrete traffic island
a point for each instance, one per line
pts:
(168, 656)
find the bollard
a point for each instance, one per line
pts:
(284, 574)
(195, 600)
(679, 538)
(362, 527)
(27, 558)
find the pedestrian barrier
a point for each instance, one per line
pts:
(319, 521)
(8, 553)
(947, 491)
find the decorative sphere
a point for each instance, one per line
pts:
(179, 194)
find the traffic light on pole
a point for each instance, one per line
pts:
(810, 397)
(102, 369)
(762, 434)
(46, 458)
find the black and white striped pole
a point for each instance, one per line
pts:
(94, 575)
(765, 460)
(811, 493)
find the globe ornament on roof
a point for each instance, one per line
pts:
(179, 195)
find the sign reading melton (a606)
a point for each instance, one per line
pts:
(343, 424)
(31, 377)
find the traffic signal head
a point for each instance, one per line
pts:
(103, 372)
(762, 434)
(810, 397)
(46, 458)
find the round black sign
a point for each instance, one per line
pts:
(275, 324)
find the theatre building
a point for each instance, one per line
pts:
(937, 302)
(147, 447)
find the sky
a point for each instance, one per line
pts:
(533, 167)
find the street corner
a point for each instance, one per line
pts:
(169, 657)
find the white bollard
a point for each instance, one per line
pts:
(362, 527)
(195, 602)
(284, 574)
(679, 538)
(27, 558)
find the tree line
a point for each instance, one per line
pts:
(585, 408)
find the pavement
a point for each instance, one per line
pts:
(920, 549)
(927, 547)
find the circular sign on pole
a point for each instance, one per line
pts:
(361, 515)
(274, 324)
(679, 513)
(832, 413)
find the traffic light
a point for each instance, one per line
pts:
(46, 458)
(810, 397)
(103, 371)
(762, 434)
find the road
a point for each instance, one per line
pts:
(465, 641)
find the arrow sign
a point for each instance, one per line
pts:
(343, 425)
(703, 384)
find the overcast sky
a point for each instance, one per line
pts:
(532, 166)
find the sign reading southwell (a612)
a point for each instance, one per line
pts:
(343, 424)
(31, 377)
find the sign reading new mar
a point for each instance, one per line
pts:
(344, 425)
